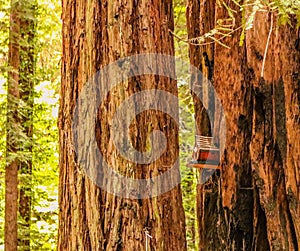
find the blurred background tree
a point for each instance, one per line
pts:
(39, 58)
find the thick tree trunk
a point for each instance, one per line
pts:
(260, 166)
(96, 33)
(209, 209)
(231, 80)
(274, 146)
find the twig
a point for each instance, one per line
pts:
(215, 40)
(147, 236)
(267, 46)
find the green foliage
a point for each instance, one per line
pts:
(45, 151)
(189, 179)
(181, 49)
(4, 21)
(285, 10)
(186, 129)
(2, 161)
(45, 169)
(44, 179)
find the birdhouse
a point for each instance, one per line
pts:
(205, 154)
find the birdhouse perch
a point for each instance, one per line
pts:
(205, 154)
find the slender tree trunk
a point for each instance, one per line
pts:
(11, 171)
(19, 125)
(26, 87)
(260, 166)
(96, 33)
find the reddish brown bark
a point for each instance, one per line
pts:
(96, 33)
(259, 204)
(19, 122)
(274, 151)
(11, 170)
(200, 20)
(26, 89)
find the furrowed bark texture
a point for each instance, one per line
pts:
(275, 144)
(260, 166)
(202, 57)
(96, 33)
(231, 80)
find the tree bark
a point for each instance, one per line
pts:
(274, 147)
(259, 189)
(19, 125)
(26, 89)
(96, 33)
(11, 170)
(231, 80)
(200, 20)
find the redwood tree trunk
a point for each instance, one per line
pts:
(231, 80)
(26, 89)
(11, 170)
(19, 125)
(203, 58)
(96, 33)
(258, 204)
(275, 152)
